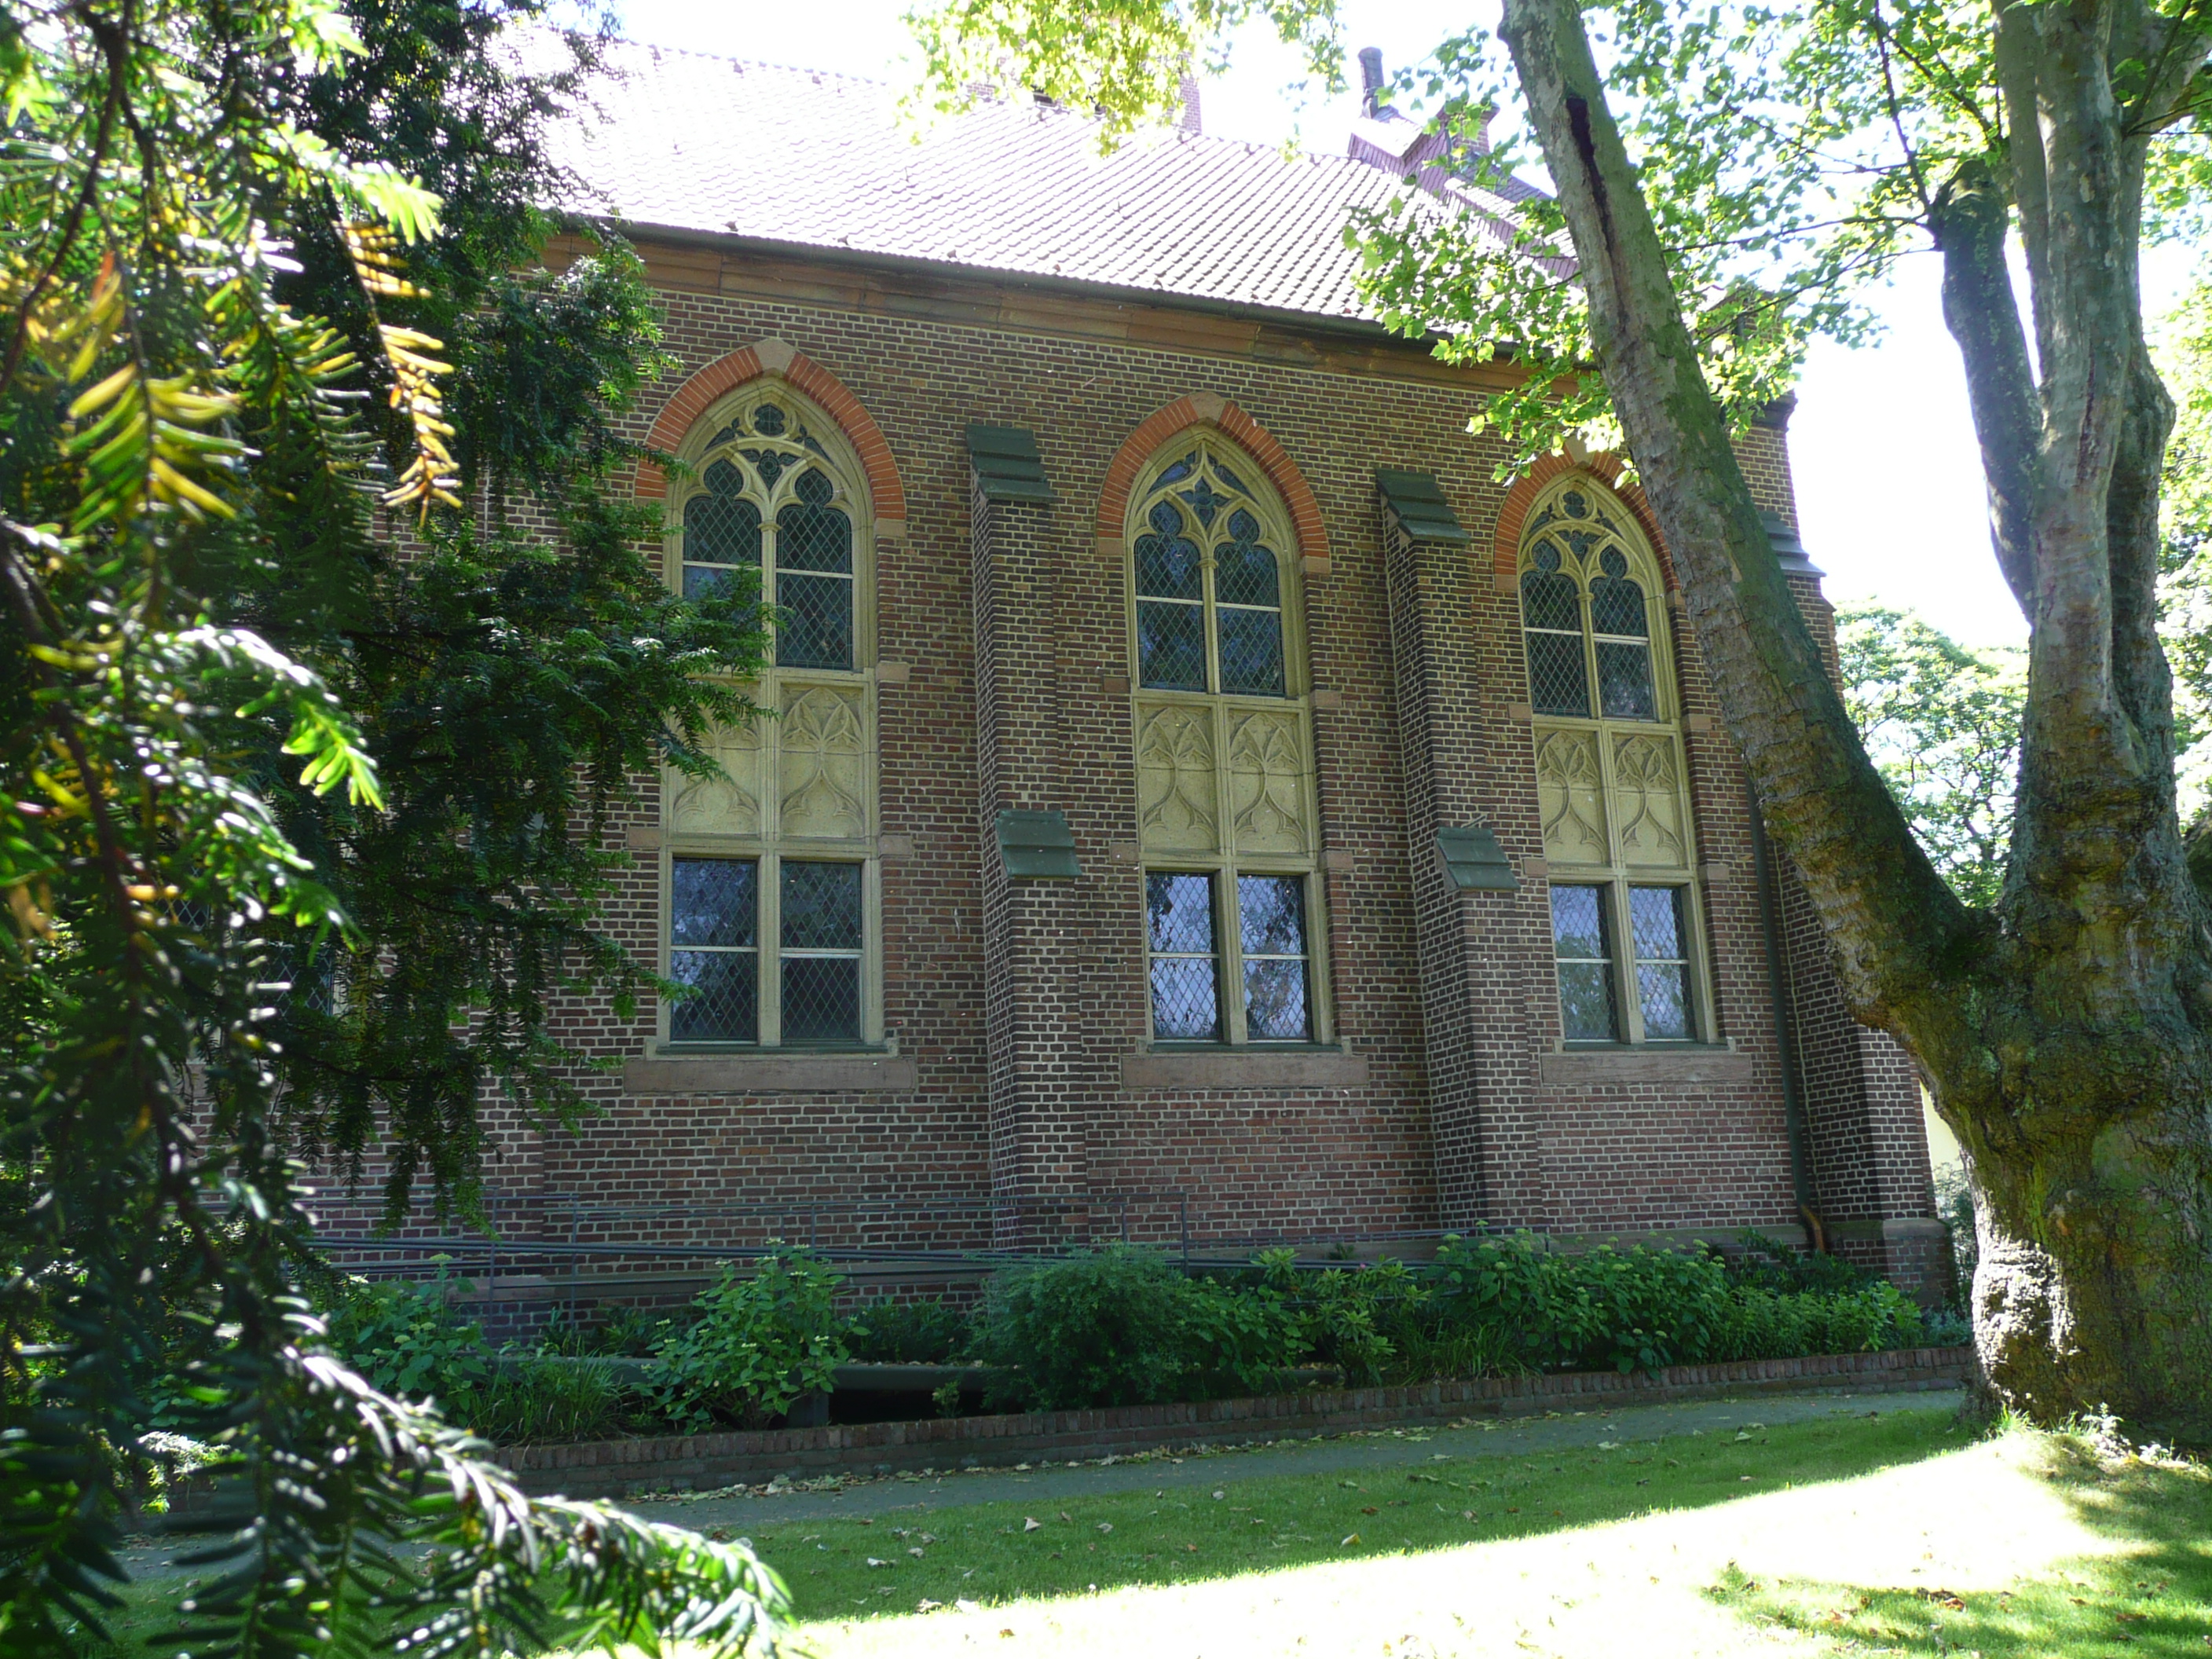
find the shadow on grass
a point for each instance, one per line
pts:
(1001, 1552)
(2153, 1596)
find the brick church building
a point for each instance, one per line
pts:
(1197, 800)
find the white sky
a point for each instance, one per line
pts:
(1889, 486)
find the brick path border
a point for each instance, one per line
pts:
(690, 1462)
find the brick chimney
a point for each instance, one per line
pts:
(1191, 121)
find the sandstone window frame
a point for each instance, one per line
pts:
(1612, 781)
(1226, 782)
(803, 780)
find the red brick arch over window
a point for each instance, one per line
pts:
(1201, 409)
(1506, 550)
(726, 375)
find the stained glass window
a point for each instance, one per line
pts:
(775, 943)
(714, 949)
(1660, 935)
(1209, 585)
(1624, 644)
(1579, 941)
(1272, 931)
(1186, 972)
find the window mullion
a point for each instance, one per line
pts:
(1229, 955)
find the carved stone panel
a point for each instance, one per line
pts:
(1571, 794)
(1647, 781)
(721, 807)
(1178, 805)
(1266, 782)
(823, 736)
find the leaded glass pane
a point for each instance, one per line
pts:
(1185, 1002)
(810, 536)
(1624, 679)
(1205, 501)
(1655, 917)
(1578, 921)
(727, 1007)
(1271, 915)
(1664, 990)
(1551, 601)
(1558, 679)
(768, 421)
(817, 623)
(1171, 645)
(721, 528)
(821, 906)
(1579, 941)
(1245, 572)
(1275, 1001)
(820, 998)
(1251, 651)
(1168, 562)
(715, 902)
(1585, 1002)
(1616, 607)
(1179, 909)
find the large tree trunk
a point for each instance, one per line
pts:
(2064, 1035)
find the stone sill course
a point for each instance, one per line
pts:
(616, 1469)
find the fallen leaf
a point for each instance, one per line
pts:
(915, 1552)
(1065, 1516)
(1221, 1494)
(877, 1561)
(1349, 1540)
(1192, 1548)
(1005, 1633)
(1609, 1445)
(1031, 1523)
(1105, 1526)
(927, 1606)
(927, 1538)
(1367, 1508)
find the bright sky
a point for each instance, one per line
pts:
(1889, 486)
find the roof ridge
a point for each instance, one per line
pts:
(743, 63)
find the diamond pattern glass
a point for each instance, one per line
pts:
(1558, 679)
(818, 623)
(1549, 599)
(1179, 909)
(820, 998)
(721, 526)
(1578, 937)
(1167, 562)
(1244, 571)
(715, 902)
(1616, 607)
(821, 906)
(1171, 645)
(1271, 925)
(1186, 1006)
(1657, 922)
(1624, 681)
(727, 1007)
(810, 535)
(1251, 650)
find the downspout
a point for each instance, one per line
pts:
(1793, 1104)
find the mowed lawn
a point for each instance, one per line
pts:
(1894, 1532)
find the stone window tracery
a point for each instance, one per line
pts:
(771, 877)
(1611, 785)
(1228, 824)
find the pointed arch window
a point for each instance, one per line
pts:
(770, 880)
(1611, 778)
(1227, 814)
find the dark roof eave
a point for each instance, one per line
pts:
(1360, 328)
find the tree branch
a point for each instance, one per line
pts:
(1970, 219)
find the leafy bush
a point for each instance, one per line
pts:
(1762, 1262)
(1346, 1316)
(1235, 1339)
(405, 1338)
(1103, 1329)
(930, 1332)
(544, 1398)
(763, 1338)
(623, 1332)
(1954, 1204)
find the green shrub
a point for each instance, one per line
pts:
(1767, 1264)
(1099, 1328)
(930, 1332)
(405, 1339)
(1235, 1339)
(543, 1398)
(762, 1340)
(1352, 1317)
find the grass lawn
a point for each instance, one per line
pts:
(1893, 1532)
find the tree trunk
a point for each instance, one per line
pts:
(2065, 1033)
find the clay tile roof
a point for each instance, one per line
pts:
(687, 141)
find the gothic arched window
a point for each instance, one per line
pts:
(1611, 781)
(1227, 822)
(770, 872)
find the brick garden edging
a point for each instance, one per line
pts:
(685, 1462)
